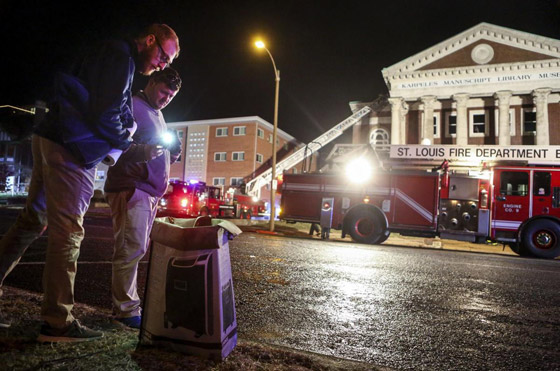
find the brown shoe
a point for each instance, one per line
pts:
(72, 333)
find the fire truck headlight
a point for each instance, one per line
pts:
(255, 199)
(358, 170)
(184, 202)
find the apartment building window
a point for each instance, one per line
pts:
(478, 123)
(260, 133)
(235, 181)
(220, 156)
(238, 156)
(219, 181)
(259, 158)
(529, 122)
(221, 132)
(269, 138)
(239, 130)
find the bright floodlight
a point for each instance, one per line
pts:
(426, 142)
(358, 170)
(259, 44)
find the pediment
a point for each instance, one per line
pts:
(481, 45)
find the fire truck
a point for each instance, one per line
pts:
(515, 204)
(241, 206)
(190, 199)
(194, 198)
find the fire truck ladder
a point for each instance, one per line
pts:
(254, 185)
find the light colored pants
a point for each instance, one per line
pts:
(133, 213)
(59, 195)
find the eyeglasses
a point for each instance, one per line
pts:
(163, 56)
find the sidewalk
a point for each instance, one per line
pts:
(300, 230)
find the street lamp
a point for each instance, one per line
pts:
(260, 44)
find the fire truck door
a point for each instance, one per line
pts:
(511, 198)
(542, 195)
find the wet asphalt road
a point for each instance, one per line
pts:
(404, 308)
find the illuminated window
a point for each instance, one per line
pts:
(260, 133)
(221, 132)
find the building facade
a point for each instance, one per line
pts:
(227, 152)
(486, 85)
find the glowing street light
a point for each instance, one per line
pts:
(260, 45)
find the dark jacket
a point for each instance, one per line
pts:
(130, 171)
(92, 108)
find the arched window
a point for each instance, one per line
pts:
(379, 137)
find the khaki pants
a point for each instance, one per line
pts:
(133, 213)
(59, 195)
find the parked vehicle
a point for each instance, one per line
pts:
(517, 205)
(192, 199)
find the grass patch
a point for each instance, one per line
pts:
(118, 349)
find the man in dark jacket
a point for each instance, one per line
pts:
(90, 115)
(133, 190)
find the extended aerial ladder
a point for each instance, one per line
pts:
(254, 185)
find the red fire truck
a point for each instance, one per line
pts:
(191, 199)
(514, 205)
(238, 205)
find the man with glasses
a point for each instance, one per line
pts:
(91, 114)
(133, 190)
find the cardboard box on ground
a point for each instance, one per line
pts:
(189, 304)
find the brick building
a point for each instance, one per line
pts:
(486, 85)
(225, 152)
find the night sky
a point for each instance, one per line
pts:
(328, 52)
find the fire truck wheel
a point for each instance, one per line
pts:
(366, 227)
(541, 239)
(204, 211)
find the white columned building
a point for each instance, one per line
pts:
(486, 85)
